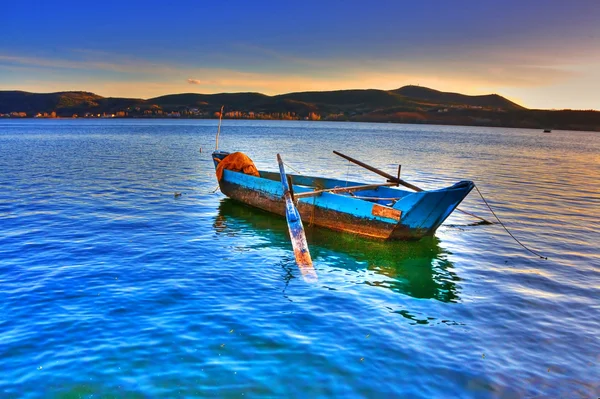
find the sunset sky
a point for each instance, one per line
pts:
(541, 54)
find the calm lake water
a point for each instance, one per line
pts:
(112, 287)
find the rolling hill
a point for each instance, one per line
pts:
(439, 97)
(408, 104)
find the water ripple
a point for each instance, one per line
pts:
(113, 287)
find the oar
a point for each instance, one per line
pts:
(296, 229)
(395, 179)
(391, 178)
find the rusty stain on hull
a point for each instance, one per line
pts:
(386, 212)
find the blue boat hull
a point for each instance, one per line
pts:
(387, 213)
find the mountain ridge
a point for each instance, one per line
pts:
(407, 104)
(425, 93)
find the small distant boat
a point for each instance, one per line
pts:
(547, 131)
(381, 211)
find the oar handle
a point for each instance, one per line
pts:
(392, 179)
(284, 182)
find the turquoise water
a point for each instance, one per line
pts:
(113, 287)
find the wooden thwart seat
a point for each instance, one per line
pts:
(343, 189)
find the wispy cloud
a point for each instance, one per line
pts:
(120, 64)
(121, 75)
(284, 75)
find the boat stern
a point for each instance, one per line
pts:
(218, 156)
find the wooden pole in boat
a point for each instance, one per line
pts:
(341, 190)
(296, 229)
(391, 178)
(398, 180)
(219, 128)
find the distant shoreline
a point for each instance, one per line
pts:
(306, 120)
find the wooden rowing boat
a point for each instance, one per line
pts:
(373, 210)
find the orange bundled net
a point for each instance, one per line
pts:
(237, 162)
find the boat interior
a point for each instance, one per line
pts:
(382, 195)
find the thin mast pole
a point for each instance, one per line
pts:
(219, 128)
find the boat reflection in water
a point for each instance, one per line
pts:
(419, 269)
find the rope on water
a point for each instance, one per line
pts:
(292, 168)
(502, 224)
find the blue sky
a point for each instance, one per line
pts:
(542, 54)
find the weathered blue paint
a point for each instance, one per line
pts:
(421, 212)
(296, 229)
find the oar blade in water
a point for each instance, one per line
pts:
(296, 229)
